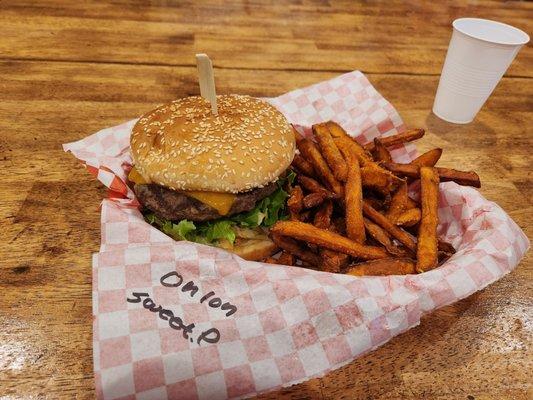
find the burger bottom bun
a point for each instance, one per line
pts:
(254, 249)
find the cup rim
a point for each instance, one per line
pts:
(520, 32)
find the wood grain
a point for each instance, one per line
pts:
(69, 69)
(378, 36)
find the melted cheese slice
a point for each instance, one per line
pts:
(135, 177)
(221, 202)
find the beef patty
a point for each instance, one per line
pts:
(173, 205)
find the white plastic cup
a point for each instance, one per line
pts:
(479, 53)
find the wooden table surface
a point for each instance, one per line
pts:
(69, 69)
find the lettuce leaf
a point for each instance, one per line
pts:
(250, 219)
(290, 177)
(180, 231)
(265, 214)
(213, 231)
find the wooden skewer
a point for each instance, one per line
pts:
(207, 80)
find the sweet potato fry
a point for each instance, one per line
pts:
(327, 239)
(373, 218)
(322, 218)
(270, 260)
(384, 266)
(305, 264)
(295, 202)
(338, 225)
(428, 159)
(381, 153)
(409, 218)
(427, 249)
(353, 200)
(314, 199)
(377, 232)
(337, 131)
(379, 179)
(302, 165)
(410, 203)
(347, 146)
(445, 247)
(312, 154)
(305, 216)
(443, 256)
(399, 251)
(333, 261)
(286, 258)
(396, 232)
(311, 185)
(331, 153)
(465, 178)
(399, 138)
(374, 202)
(446, 250)
(381, 236)
(400, 202)
(291, 246)
(373, 175)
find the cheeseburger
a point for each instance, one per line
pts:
(215, 179)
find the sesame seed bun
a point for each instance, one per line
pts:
(182, 146)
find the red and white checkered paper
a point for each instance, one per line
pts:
(292, 324)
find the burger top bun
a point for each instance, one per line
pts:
(181, 145)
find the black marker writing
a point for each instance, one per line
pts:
(177, 323)
(190, 287)
(164, 282)
(174, 279)
(149, 304)
(167, 315)
(205, 297)
(215, 303)
(137, 298)
(228, 306)
(210, 336)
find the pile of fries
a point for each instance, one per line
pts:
(350, 209)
